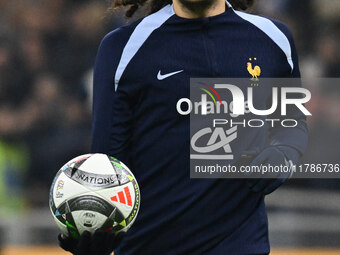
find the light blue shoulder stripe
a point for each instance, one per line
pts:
(141, 33)
(228, 4)
(269, 28)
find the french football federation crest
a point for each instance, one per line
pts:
(254, 72)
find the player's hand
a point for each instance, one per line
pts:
(272, 156)
(101, 243)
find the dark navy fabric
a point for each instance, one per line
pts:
(139, 124)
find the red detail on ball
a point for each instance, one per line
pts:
(128, 196)
(121, 197)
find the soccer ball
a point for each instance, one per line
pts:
(94, 191)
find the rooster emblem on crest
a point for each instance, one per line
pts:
(255, 72)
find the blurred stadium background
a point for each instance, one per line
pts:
(47, 52)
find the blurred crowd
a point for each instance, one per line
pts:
(47, 52)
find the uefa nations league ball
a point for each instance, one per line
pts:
(94, 191)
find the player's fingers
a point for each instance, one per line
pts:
(66, 243)
(110, 239)
(65, 247)
(118, 239)
(61, 238)
(98, 242)
(276, 158)
(84, 244)
(245, 159)
(261, 158)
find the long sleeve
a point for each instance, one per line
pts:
(292, 141)
(111, 124)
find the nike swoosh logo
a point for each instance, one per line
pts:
(164, 76)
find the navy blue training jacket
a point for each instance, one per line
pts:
(135, 119)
